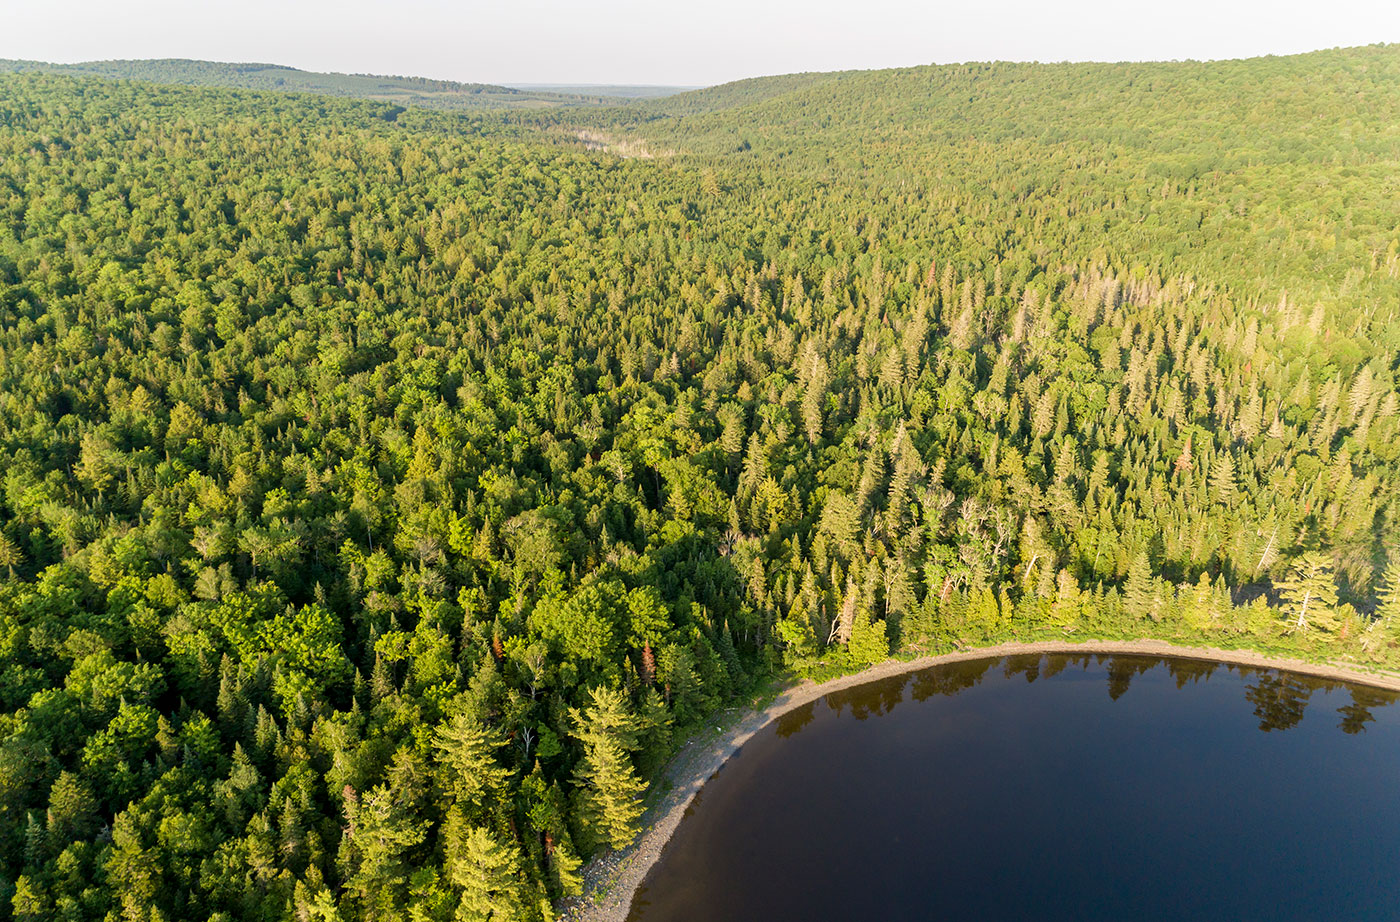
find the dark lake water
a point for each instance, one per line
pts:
(1052, 787)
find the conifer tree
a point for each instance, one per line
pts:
(1222, 478)
(485, 871)
(869, 644)
(10, 554)
(467, 770)
(1308, 592)
(610, 786)
(1140, 596)
(814, 382)
(1388, 610)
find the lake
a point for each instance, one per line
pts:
(1052, 787)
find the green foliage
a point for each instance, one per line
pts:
(869, 642)
(1388, 593)
(384, 492)
(1309, 594)
(610, 790)
(487, 872)
(468, 773)
(417, 91)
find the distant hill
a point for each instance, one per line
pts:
(1281, 168)
(1153, 106)
(612, 90)
(419, 91)
(746, 92)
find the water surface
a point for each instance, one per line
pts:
(1052, 787)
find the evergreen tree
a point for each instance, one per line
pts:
(869, 644)
(1309, 593)
(1222, 478)
(467, 771)
(1388, 593)
(1140, 592)
(485, 871)
(610, 786)
(814, 383)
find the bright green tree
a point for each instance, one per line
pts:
(611, 789)
(466, 767)
(869, 642)
(1309, 592)
(1388, 593)
(486, 872)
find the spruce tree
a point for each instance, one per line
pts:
(1388, 593)
(1140, 597)
(1222, 479)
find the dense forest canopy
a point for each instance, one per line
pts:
(1174, 166)
(386, 491)
(417, 91)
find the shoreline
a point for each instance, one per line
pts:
(611, 880)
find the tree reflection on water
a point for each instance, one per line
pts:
(1279, 698)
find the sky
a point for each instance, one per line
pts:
(694, 43)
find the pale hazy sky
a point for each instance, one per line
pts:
(700, 42)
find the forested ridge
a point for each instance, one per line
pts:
(386, 492)
(419, 91)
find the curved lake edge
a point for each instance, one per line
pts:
(612, 879)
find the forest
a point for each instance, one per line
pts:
(416, 91)
(386, 492)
